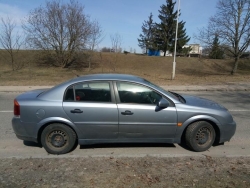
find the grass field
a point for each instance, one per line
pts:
(189, 71)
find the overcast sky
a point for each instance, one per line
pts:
(123, 16)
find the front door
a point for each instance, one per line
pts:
(92, 108)
(139, 116)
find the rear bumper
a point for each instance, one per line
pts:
(228, 132)
(21, 131)
(25, 138)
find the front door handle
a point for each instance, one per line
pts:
(76, 111)
(127, 112)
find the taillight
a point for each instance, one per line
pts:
(16, 108)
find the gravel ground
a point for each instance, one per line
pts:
(126, 172)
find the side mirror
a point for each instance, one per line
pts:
(163, 103)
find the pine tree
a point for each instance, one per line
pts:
(216, 52)
(165, 31)
(182, 38)
(146, 40)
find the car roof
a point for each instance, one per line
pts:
(124, 77)
(56, 93)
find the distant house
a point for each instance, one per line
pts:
(196, 49)
(168, 53)
(158, 53)
(195, 52)
(153, 52)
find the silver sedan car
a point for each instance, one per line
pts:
(118, 108)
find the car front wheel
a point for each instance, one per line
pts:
(58, 139)
(200, 136)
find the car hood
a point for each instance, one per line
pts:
(201, 102)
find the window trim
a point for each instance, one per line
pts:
(86, 82)
(139, 84)
(65, 92)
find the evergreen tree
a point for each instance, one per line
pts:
(182, 38)
(216, 52)
(146, 40)
(165, 31)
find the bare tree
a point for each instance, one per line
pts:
(11, 41)
(60, 30)
(232, 26)
(116, 41)
(95, 39)
(96, 35)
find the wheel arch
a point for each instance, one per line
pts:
(214, 122)
(45, 122)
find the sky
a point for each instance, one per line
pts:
(124, 17)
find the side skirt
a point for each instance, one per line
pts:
(103, 141)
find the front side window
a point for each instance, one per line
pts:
(89, 92)
(133, 93)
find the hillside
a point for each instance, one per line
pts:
(189, 71)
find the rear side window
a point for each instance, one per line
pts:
(89, 92)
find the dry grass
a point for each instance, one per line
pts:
(124, 172)
(189, 71)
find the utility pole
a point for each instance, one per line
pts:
(175, 44)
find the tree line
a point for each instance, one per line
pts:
(228, 31)
(61, 31)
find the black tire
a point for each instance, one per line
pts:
(200, 136)
(58, 139)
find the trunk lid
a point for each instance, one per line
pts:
(30, 94)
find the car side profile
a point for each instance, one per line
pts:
(117, 108)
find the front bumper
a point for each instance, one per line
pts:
(227, 132)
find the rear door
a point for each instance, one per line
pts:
(92, 108)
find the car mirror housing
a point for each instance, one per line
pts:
(163, 103)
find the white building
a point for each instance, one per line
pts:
(167, 53)
(196, 48)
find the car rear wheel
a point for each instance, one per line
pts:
(58, 139)
(200, 136)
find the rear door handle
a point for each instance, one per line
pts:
(76, 111)
(127, 112)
